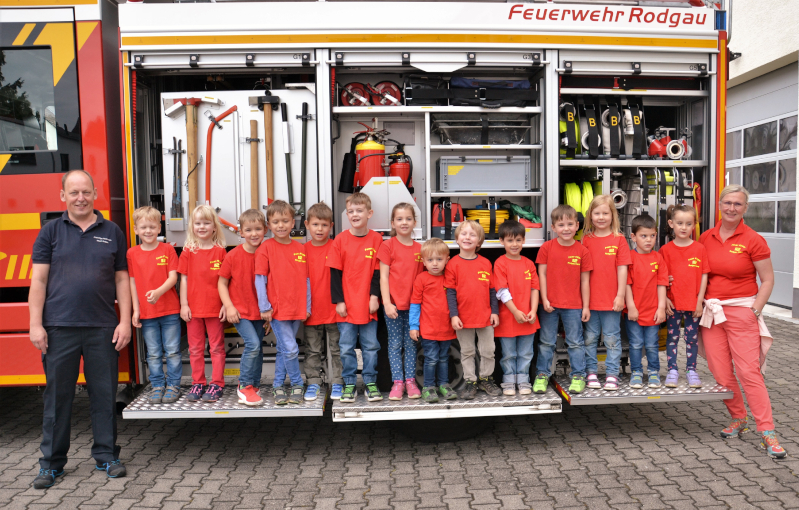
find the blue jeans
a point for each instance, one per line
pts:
(252, 359)
(436, 362)
(517, 354)
(287, 357)
(643, 337)
(608, 323)
(399, 339)
(351, 334)
(162, 337)
(573, 325)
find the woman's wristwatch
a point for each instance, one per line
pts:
(756, 312)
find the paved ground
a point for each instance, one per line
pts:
(645, 456)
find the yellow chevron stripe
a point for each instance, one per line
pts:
(59, 36)
(23, 34)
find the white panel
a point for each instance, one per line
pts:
(35, 15)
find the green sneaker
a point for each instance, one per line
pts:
(295, 397)
(349, 393)
(540, 384)
(372, 393)
(447, 393)
(577, 385)
(429, 394)
(281, 398)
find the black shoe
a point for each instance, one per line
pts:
(46, 478)
(487, 384)
(469, 391)
(113, 469)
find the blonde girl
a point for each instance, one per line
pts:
(610, 255)
(200, 305)
(400, 261)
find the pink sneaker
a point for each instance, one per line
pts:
(413, 390)
(397, 390)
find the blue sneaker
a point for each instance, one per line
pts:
(113, 469)
(336, 391)
(654, 380)
(637, 380)
(311, 392)
(46, 478)
(195, 393)
(156, 396)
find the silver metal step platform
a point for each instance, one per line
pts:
(225, 407)
(418, 409)
(626, 395)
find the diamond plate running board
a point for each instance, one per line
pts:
(225, 407)
(627, 395)
(417, 409)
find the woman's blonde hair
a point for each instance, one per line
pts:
(205, 212)
(734, 188)
(399, 207)
(615, 225)
(478, 229)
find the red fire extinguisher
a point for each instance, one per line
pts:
(370, 156)
(401, 166)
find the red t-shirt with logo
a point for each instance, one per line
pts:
(356, 258)
(286, 274)
(323, 311)
(520, 278)
(686, 265)
(239, 268)
(472, 281)
(434, 321)
(405, 262)
(607, 254)
(645, 274)
(732, 270)
(564, 264)
(201, 267)
(150, 269)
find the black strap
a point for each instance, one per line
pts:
(640, 102)
(446, 204)
(663, 187)
(569, 114)
(492, 219)
(638, 133)
(484, 130)
(680, 187)
(644, 189)
(593, 130)
(489, 94)
(423, 93)
(615, 127)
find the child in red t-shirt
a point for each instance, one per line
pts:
(284, 297)
(517, 287)
(400, 262)
(564, 268)
(354, 288)
(200, 305)
(473, 308)
(237, 291)
(156, 309)
(647, 279)
(429, 321)
(610, 256)
(687, 292)
(323, 312)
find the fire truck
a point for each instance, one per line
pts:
(482, 111)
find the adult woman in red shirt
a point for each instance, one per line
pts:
(733, 330)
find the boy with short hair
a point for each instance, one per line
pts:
(283, 287)
(566, 265)
(153, 267)
(240, 299)
(323, 315)
(429, 321)
(517, 287)
(647, 279)
(354, 288)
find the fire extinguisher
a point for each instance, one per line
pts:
(401, 166)
(369, 166)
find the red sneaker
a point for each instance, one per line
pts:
(397, 390)
(412, 389)
(249, 396)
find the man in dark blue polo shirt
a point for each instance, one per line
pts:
(79, 269)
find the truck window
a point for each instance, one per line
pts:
(27, 101)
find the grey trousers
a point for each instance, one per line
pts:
(485, 344)
(66, 346)
(315, 343)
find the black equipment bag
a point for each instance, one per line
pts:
(491, 93)
(425, 90)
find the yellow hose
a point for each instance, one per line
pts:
(483, 217)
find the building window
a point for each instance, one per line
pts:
(762, 158)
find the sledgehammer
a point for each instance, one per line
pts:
(266, 104)
(173, 108)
